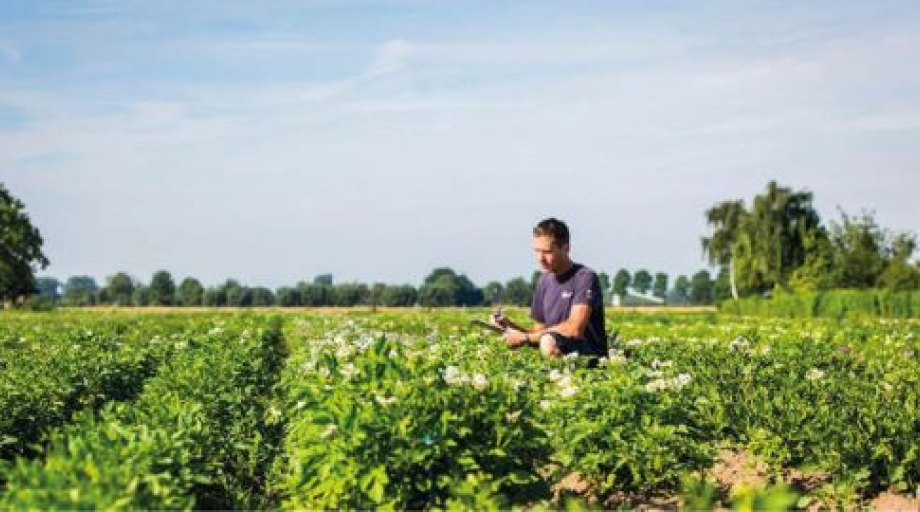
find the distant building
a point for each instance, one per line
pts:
(634, 298)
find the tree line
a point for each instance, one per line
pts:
(442, 287)
(778, 243)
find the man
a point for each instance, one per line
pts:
(567, 306)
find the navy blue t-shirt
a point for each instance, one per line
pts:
(555, 295)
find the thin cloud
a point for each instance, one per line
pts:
(10, 52)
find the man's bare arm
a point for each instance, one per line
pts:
(575, 325)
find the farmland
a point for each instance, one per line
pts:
(416, 409)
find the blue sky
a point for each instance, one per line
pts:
(273, 141)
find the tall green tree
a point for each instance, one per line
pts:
(774, 233)
(604, 280)
(215, 296)
(120, 289)
(20, 249)
(287, 296)
(621, 281)
(764, 246)
(444, 287)
(859, 251)
(262, 296)
(399, 296)
(141, 296)
(80, 291)
(681, 291)
(162, 289)
(49, 288)
(315, 295)
(518, 292)
(492, 293)
(660, 285)
(701, 288)
(899, 273)
(719, 248)
(721, 285)
(190, 292)
(817, 271)
(642, 281)
(350, 294)
(237, 295)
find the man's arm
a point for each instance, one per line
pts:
(516, 336)
(574, 326)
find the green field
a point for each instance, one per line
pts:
(416, 409)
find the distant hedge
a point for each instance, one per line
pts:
(833, 304)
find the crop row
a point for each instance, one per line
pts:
(195, 437)
(54, 366)
(418, 411)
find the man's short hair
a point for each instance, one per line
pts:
(553, 228)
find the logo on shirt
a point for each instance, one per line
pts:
(588, 294)
(567, 294)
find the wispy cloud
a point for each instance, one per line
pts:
(10, 52)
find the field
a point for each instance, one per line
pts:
(417, 409)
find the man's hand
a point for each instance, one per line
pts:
(501, 321)
(514, 338)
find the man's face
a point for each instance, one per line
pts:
(551, 256)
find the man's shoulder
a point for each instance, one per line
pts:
(585, 272)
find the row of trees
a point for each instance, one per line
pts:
(442, 287)
(780, 243)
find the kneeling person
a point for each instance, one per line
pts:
(567, 306)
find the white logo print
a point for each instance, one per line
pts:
(567, 294)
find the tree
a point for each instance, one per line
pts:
(141, 295)
(262, 296)
(701, 288)
(604, 280)
(660, 285)
(518, 292)
(190, 292)
(772, 245)
(120, 289)
(621, 282)
(399, 296)
(642, 281)
(215, 296)
(721, 286)
(492, 293)
(349, 294)
(162, 289)
(49, 288)
(900, 274)
(681, 290)
(237, 295)
(763, 247)
(80, 291)
(719, 248)
(288, 297)
(20, 249)
(444, 287)
(859, 251)
(315, 295)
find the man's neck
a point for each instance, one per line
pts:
(565, 268)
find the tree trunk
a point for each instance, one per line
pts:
(731, 278)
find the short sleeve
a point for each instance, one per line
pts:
(536, 302)
(586, 288)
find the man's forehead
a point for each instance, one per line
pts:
(544, 242)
